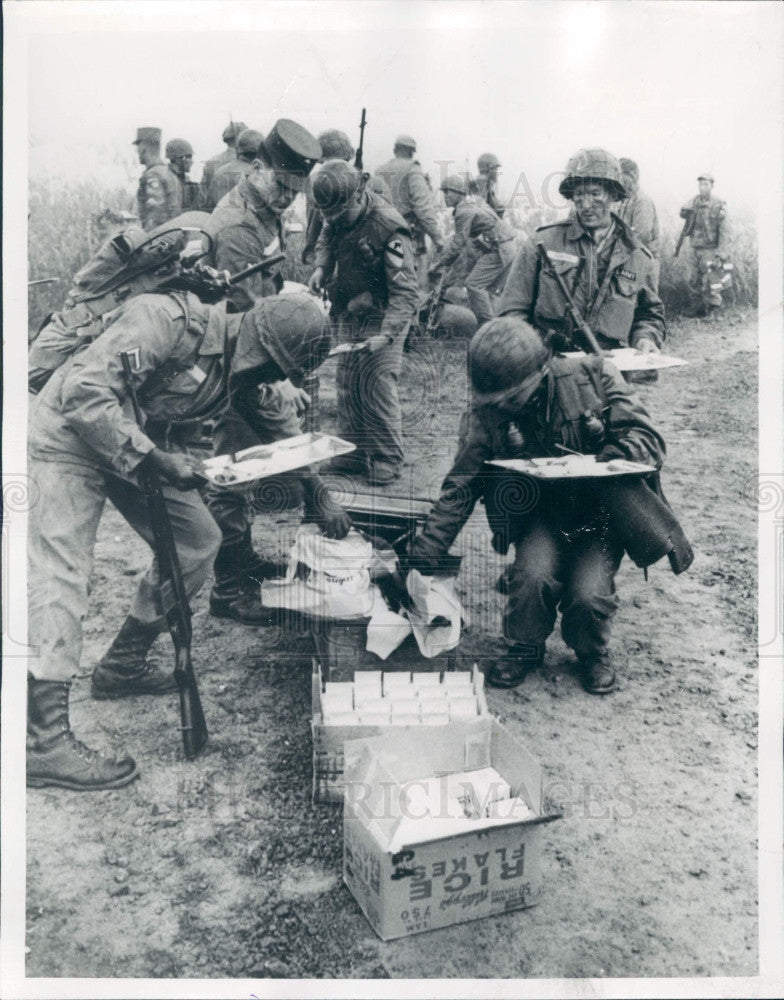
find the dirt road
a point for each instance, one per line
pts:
(223, 867)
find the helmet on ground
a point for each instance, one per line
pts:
(486, 162)
(178, 147)
(455, 182)
(335, 145)
(248, 142)
(457, 321)
(335, 185)
(505, 357)
(232, 130)
(593, 165)
(292, 329)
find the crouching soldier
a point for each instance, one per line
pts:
(569, 536)
(189, 360)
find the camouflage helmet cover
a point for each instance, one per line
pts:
(335, 184)
(335, 145)
(505, 357)
(248, 141)
(593, 165)
(178, 147)
(455, 182)
(232, 130)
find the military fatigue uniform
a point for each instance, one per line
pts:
(613, 287)
(567, 550)
(412, 197)
(374, 290)
(486, 189)
(159, 195)
(708, 239)
(85, 447)
(228, 175)
(482, 270)
(314, 219)
(639, 214)
(209, 195)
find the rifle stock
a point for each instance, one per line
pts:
(172, 597)
(590, 342)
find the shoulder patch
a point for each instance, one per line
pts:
(393, 253)
(627, 274)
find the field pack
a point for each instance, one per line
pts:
(129, 264)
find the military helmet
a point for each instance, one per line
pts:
(593, 165)
(455, 182)
(335, 145)
(178, 147)
(505, 357)
(232, 130)
(292, 329)
(406, 141)
(248, 141)
(335, 185)
(486, 162)
(629, 167)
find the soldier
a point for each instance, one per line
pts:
(708, 231)
(246, 226)
(159, 194)
(488, 165)
(365, 259)
(605, 266)
(569, 536)
(639, 213)
(229, 136)
(229, 174)
(413, 199)
(482, 248)
(335, 145)
(179, 153)
(85, 448)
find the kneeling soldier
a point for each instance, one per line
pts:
(570, 536)
(189, 360)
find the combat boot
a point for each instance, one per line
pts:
(55, 756)
(123, 669)
(511, 669)
(254, 568)
(234, 594)
(598, 674)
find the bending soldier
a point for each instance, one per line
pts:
(86, 447)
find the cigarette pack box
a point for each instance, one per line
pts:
(408, 877)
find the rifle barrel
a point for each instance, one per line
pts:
(261, 265)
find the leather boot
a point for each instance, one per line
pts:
(232, 597)
(55, 756)
(254, 568)
(123, 669)
(598, 674)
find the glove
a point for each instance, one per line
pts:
(609, 452)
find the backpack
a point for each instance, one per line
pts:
(127, 265)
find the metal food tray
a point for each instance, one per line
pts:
(629, 359)
(270, 459)
(573, 467)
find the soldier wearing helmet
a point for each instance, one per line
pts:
(481, 250)
(708, 231)
(179, 153)
(413, 198)
(188, 360)
(639, 212)
(229, 174)
(209, 198)
(246, 226)
(159, 196)
(526, 403)
(608, 270)
(488, 166)
(365, 259)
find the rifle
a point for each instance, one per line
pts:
(589, 340)
(211, 285)
(433, 305)
(171, 595)
(42, 281)
(358, 157)
(688, 225)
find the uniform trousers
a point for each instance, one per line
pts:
(700, 278)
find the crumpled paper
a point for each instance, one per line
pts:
(435, 614)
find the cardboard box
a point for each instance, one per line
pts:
(329, 740)
(445, 880)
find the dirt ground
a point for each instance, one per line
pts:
(223, 867)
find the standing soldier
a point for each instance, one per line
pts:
(413, 198)
(638, 212)
(608, 271)
(229, 174)
(230, 134)
(707, 229)
(481, 250)
(488, 165)
(365, 259)
(159, 195)
(179, 153)
(245, 227)
(86, 447)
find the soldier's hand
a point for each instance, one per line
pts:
(646, 346)
(299, 399)
(376, 342)
(334, 521)
(178, 470)
(316, 281)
